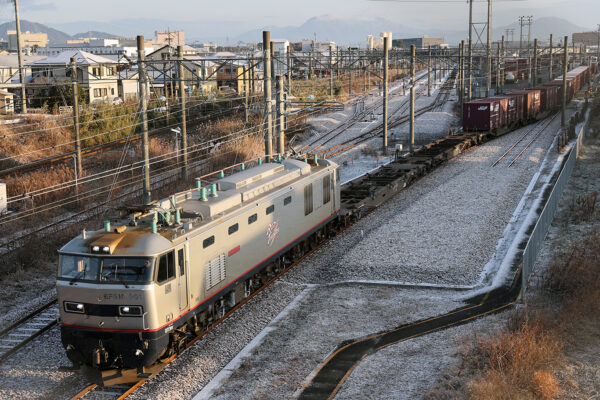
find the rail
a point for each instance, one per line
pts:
(18, 334)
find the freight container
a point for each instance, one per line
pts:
(481, 115)
(531, 102)
(514, 109)
(549, 97)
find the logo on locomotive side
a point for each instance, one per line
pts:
(272, 232)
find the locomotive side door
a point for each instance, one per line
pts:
(182, 272)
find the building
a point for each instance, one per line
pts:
(173, 38)
(587, 38)
(9, 68)
(197, 70)
(97, 75)
(207, 48)
(7, 106)
(320, 47)
(28, 39)
(420, 42)
(374, 43)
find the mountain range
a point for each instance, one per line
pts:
(326, 28)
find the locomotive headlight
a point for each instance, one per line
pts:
(131, 311)
(96, 249)
(73, 307)
(106, 249)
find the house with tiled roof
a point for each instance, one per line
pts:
(97, 75)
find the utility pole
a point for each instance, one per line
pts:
(280, 116)
(273, 70)
(489, 48)
(521, 19)
(502, 74)
(563, 116)
(535, 61)
(76, 114)
(267, 94)
(385, 93)
(350, 71)
(252, 75)
(142, 79)
(289, 68)
(184, 154)
(20, 58)
(246, 72)
(429, 73)
(470, 71)
(412, 100)
(498, 70)
(470, 46)
(550, 61)
(461, 73)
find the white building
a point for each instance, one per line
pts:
(375, 43)
(280, 46)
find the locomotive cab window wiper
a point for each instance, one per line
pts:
(79, 275)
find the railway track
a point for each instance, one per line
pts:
(395, 121)
(95, 392)
(20, 333)
(536, 130)
(349, 123)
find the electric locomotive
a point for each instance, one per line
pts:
(134, 292)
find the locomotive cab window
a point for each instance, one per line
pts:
(270, 209)
(166, 267)
(233, 228)
(287, 200)
(106, 269)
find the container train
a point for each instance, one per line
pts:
(131, 294)
(502, 113)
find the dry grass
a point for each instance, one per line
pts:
(516, 364)
(519, 361)
(584, 206)
(49, 133)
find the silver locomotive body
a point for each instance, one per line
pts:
(130, 296)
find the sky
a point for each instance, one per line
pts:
(256, 14)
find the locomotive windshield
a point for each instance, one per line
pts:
(106, 269)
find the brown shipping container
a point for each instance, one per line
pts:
(481, 115)
(514, 109)
(558, 83)
(548, 97)
(531, 102)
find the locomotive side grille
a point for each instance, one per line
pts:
(215, 271)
